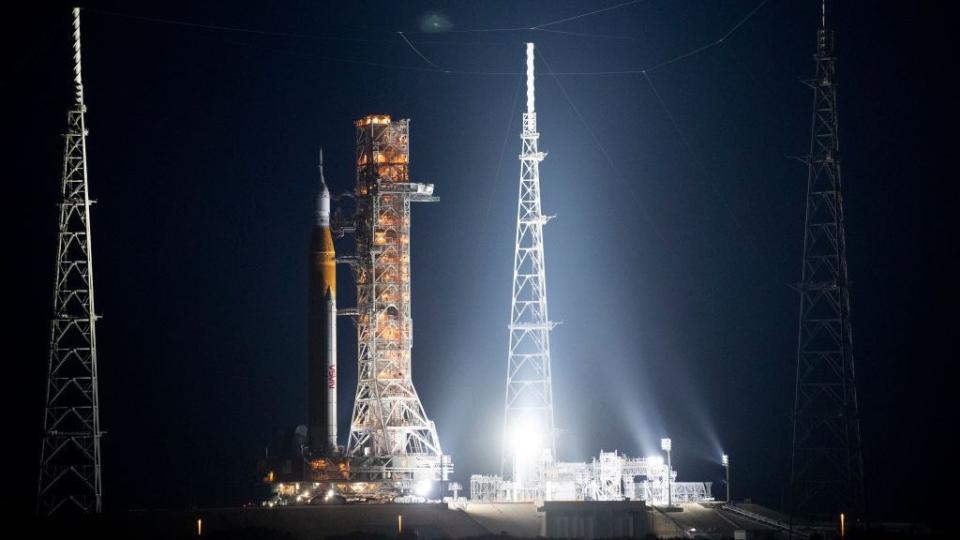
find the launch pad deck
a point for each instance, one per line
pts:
(434, 520)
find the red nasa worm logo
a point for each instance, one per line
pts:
(331, 377)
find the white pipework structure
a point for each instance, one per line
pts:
(609, 477)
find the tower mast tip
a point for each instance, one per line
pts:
(77, 76)
(530, 92)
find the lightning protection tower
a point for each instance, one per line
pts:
(827, 468)
(528, 429)
(70, 452)
(391, 437)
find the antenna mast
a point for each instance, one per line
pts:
(529, 437)
(827, 465)
(70, 453)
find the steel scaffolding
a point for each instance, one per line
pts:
(827, 468)
(528, 423)
(70, 452)
(391, 437)
(610, 477)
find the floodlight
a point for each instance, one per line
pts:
(525, 439)
(665, 445)
(423, 488)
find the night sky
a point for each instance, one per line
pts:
(678, 231)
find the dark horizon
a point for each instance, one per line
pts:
(670, 263)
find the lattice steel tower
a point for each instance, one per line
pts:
(528, 404)
(70, 452)
(827, 468)
(389, 426)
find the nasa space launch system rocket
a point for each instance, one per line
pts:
(322, 330)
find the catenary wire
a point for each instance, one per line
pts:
(225, 28)
(503, 151)
(582, 15)
(585, 34)
(437, 69)
(603, 150)
(705, 174)
(420, 54)
(712, 291)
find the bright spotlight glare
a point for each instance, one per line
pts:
(726, 460)
(525, 439)
(655, 460)
(665, 445)
(423, 488)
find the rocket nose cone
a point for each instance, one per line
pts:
(323, 206)
(323, 198)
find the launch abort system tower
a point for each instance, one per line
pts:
(391, 437)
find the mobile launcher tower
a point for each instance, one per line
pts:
(391, 438)
(392, 452)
